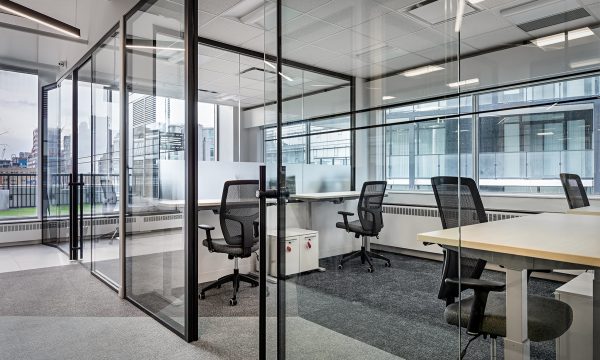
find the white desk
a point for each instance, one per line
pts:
(338, 196)
(588, 210)
(544, 241)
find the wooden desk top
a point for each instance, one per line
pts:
(559, 237)
(588, 210)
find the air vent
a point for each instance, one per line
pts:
(554, 20)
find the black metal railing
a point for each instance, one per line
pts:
(22, 189)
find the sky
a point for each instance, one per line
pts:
(18, 111)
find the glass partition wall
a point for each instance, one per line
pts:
(155, 241)
(333, 97)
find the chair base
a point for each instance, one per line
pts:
(235, 278)
(365, 256)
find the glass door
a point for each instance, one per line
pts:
(57, 164)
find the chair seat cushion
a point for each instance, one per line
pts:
(355, 227)
(548, 318)
(221, 246)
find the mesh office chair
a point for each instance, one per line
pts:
(484, 313)
(574, 190)
(369, 223)
(238, 215)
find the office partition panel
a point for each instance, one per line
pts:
(104, 182)
(332, 136)
(156, 131)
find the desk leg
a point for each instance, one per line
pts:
(596, 312)
(516, 343)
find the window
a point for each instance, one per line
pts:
(522, 147)
(19, 144)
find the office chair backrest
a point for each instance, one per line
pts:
(239, 212)
(370, 205)
(574, 190)
(446, 190)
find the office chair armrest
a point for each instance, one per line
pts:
(345, 214)
(481, 289)
(208, 229)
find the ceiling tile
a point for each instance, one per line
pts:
(448, 50)
(388, 26)
(480, 23)
(228, 31)
(256, 44)
(343, 63)
(397, 4)
(304, 5)
(310, 55)
(216, 7)
(406, 62)
(308, 29)
(420, 40)
(506, 36)
(346, 41)
(347, 13)
(204, 18)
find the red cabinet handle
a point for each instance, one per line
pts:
(308, 244)
(289, 248)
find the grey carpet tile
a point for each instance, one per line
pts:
(60, 291)
(93, 338)
(395, 309)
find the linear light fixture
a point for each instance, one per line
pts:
(388, 98)
(549, 133)
(145, 44)
(422, 70)
(38, 17)
(561, 37)
(464, 82)
(275, 68)
(149, 47)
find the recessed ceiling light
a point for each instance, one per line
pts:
(579, 33)
(584, 63)
(422, 70)
(561, 37)
(549, 40)
(464, 82)
(388, 98)
(27, 13)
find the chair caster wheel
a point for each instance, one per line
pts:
(370, 269)
(232, 302)
(387, 264)
(202, 296)
(340, 267)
